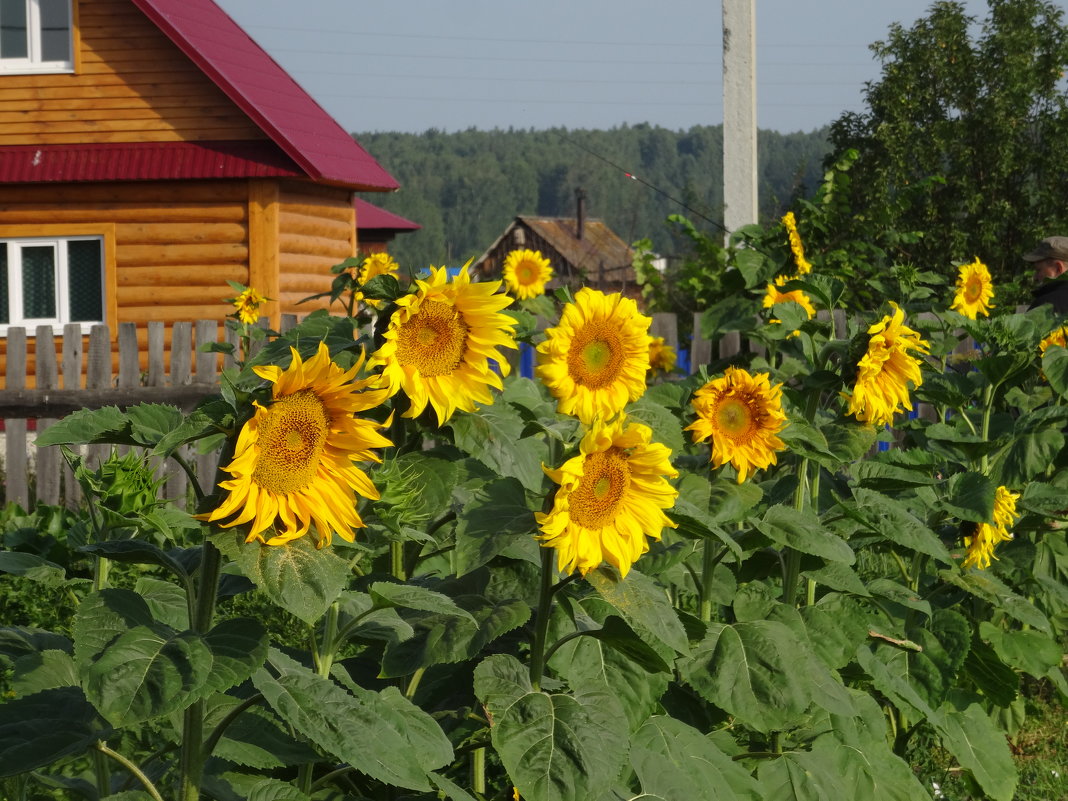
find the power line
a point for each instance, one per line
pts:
(642, 181)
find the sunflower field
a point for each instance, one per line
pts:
(795, 574)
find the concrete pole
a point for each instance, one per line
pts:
(739, 114)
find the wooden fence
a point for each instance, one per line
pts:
(182, 380)
(174, 370)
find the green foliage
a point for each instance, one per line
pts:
(961, 139)
(809, 633)
(464, 188)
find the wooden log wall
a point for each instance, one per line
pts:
(130, 84)
(316, 230)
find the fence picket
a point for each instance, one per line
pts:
(72, 379)
(98, 376)
(47, 377)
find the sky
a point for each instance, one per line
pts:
(413, 65)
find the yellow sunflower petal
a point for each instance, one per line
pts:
(287, 471)
(975, 290)
(604, 510)
(741, 414)
(525, 273)
(987, 535)
(595, 360)
(886, 370)
(440, 343)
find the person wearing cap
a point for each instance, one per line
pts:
(1050, 258)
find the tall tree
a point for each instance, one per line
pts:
(965, 137)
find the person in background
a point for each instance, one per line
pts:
(1050, 259)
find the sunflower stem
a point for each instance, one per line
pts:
(708, 565)
(988, 406)
(103, 751)
(192, 755)
(396, 560)
(792, 564)
(541, 624)
(323, 656)
(478, 771)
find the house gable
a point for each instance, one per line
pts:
(130, 84)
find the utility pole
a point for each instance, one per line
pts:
(739, 114)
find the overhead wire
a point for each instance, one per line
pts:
(642, 181)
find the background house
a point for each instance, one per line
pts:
(582, 251)
(149, 152)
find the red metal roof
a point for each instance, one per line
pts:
(266, 93)
(144, 161)
(371, 217)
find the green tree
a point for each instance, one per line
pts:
(965, 137)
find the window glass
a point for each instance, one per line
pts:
(13, 41)
(85, 285)
(38, 282)
(55, 30)
(4, 314)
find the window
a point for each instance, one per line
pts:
(51, 281)
(35, 36)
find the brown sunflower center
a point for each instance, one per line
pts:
(735, 417)
(973, 289)
(596, 355)
(433, 340)
(594, 503)
(291, 438)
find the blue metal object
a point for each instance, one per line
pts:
(526, 360)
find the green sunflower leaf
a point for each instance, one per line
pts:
(299, 578)
(673, 760)
(894, 521)
(642, 603)
(369, 737)
(445, 638)
(495, 516)
(980, 748)
(802, 531)
(750, 670)
(555, 747)
(39, 729)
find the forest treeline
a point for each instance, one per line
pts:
(464, 188)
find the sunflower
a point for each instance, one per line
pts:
(796, 247)
(594, 362)
(294, 463)
(1056, 338)
(974, 290)
(886, 369)
(526, 272)
(742, 414)
(981, 544)
(662, 356)
(374, 265)
(247, 305)
(610, 498)
(440, 341)
(772, 296)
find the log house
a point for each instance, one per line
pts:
(150, 150)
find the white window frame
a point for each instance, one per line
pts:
(16, 319)
(33, 63)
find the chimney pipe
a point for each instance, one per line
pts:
(580, 211)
